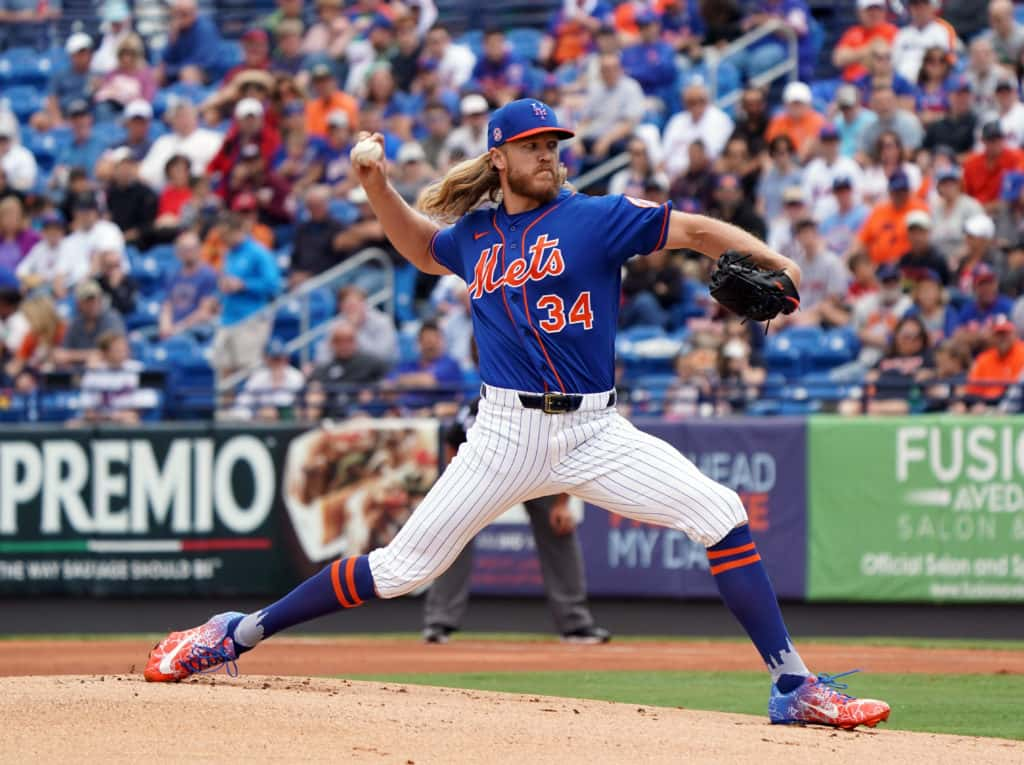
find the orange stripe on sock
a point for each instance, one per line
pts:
(350, 580)
(735, 564)
(336, 581)
(712, 554)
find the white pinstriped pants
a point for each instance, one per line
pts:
(512, 454)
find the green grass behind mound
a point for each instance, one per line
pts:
(973, 705)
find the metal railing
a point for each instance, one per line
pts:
(308, 334)
(788, 68)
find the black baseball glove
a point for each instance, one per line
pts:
(743, 288)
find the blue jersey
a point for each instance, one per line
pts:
(544, 286)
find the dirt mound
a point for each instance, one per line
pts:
(381, 656)
(120, 718)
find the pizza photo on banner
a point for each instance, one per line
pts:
(349, 487)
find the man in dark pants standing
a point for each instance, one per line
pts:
(561, 565)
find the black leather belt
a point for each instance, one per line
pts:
(552, 403)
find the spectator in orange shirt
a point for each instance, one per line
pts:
(854, 48)
(326, 100)
(999, 366)
(215, 247)
(798, 120)
(884, 234)
(983, 170)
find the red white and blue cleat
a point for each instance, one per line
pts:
(819, 701)
(205, 648)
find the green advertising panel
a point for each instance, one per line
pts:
(916, 508)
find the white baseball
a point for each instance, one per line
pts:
(366, 152)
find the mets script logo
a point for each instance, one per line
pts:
(517, 272)
(540, 111)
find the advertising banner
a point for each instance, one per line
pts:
(763, 460)
(916, 509)
(217, 509)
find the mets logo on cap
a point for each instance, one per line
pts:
(522, 118)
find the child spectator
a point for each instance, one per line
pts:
(271, 392)
(110, 387)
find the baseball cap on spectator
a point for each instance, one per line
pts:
(919, 219)
(980, 225)
(847, 95)
(865, 4)
(948, 174)
(828, 132)
(320, 72)
(256, 35)
(1001, 323)
(337, 118)
(983, 272)
(793, 195)
(248, 107)
(78, 42)
(138, 109)
(380, 21)
(411, 152)
(796, 92)
(992, 131)
(918, 275)
(899, 181)
(52, 217)
(888, 272)
(87, 289)
(244, 202)
(78, 108)
(645, 16)
(276, 349)
(841, 182)
(115, 12)
(473, 104)
(357, 196)
(85, 200)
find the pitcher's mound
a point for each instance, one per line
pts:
(263, 718)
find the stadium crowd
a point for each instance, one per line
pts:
(154, 200)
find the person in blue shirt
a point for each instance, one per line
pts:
(839, 230)
(499, 73)
(72, 83)
(651, 61)
(987, 302)
(193, 45)
(85, 148)
(249, 281)
(772, 50)
(682, 24)
(333, 152)
(191, 290)
(433, 369)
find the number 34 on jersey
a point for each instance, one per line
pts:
(545, 260)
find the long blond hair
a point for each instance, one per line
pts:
(466, 186)
(43, 318)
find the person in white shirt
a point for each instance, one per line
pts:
(90, 234)
(187, 138)
(110, 389)
(116, 26)
(375, 330)
(469, 140)
(1009, 112)
(18, 163)
(613, 107)
(702, 121)
(43, 264)
(454, 62)
(923, 32)
(271, 389)
(821, 172)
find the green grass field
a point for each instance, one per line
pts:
(974, 705)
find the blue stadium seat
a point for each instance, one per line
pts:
(322, 306)
(408, 350)
(783, 357)
(59, 406)
(287, 322)
(525, 41)
(836, 347)
(405, 290)
(24, 66)
(228, 55)
(823, 92)
(473, 39)
(148, 272)
(147, 314)
(24, 100)
(44, 147)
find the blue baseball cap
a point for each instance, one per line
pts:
(522, 118)
(899, 181)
